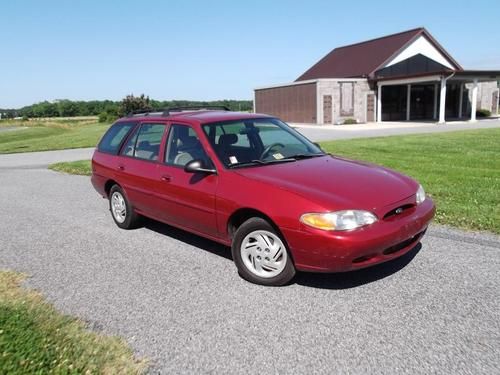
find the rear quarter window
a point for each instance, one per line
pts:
(113, 138)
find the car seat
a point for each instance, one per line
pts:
(188, 148)
(224, 145)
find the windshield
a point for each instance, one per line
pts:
(258, 141)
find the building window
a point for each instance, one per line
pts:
(347, 98)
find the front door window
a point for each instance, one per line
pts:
(183, 146)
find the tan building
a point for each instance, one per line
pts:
(407, 76)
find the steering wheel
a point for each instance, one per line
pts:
(269, 148)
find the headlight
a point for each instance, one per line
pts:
(340, 220)
(420, 196)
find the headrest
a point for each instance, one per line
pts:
(228, 139)
(187, 142)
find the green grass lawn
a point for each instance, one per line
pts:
(36, 339)
(80, 167)
(50, 135)
(460, 170)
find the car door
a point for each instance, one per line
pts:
(138, 166)
(186, 199)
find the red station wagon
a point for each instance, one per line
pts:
(251, 182)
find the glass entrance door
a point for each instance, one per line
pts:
(422, 102)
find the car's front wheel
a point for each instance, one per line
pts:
(260, 254)
(121, 210)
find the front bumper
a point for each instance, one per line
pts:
(322, 251)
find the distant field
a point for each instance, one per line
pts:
(50, 134)
(48, 121)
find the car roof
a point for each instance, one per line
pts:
(201, 117)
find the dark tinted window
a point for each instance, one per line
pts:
(113, 138)
(146, 142)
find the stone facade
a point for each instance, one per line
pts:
(485, 96)
(349, 100)
(485, 93)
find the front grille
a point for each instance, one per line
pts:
(402, 245)
(398, 211)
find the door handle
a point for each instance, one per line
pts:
(166, 178)
(121, 167)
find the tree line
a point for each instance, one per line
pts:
(108, 110)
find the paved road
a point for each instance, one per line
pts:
(11, 128)
(44, 158)
(178, 300)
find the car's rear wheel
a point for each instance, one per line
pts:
(121, 210)
(261, 255)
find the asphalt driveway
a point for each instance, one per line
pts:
(177, 299)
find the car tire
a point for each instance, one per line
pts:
(261, 254)
(121, 210)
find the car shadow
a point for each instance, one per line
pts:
(188, 238)
(341, 280)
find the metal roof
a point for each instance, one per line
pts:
(363, 59)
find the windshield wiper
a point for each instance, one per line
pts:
(261, 162)
(305, 156)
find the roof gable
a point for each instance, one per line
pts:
(421, 45)
(418, 64)
(363, 59)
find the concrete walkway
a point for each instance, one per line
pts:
(319, 133)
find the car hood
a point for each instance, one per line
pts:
(336, 183)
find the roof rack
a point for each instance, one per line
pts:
(167, 111)
(144, 112)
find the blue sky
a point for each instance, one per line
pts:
(204, 50)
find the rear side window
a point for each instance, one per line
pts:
(145, 143)
(111, 141)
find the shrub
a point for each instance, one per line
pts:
(103, 117)
(483, 113)
(134, 103)
(109, 114)
(350, 121)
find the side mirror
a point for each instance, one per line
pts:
(198, 166)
